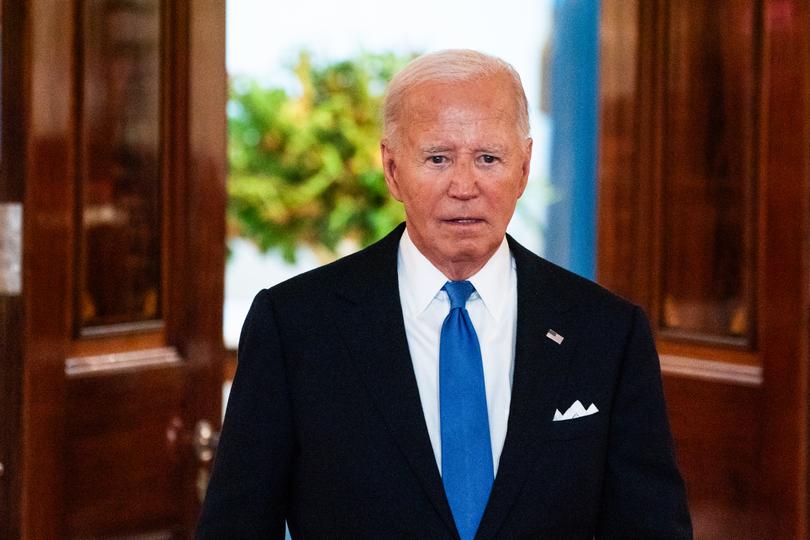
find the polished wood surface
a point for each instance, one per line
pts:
(198, 244)
(704, 183)
(784, 277)
(707, 170)
(11, 322)
(622, 198)
(11, 307)
(49, 171)
(122, 460)
(719, 452)
(119, 216)
(109, 401)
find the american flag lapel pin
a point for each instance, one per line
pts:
(554, 336)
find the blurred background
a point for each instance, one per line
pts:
(305, 181)
(161, 161)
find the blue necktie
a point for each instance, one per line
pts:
(466, 452)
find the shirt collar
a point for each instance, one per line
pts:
(494, 281)
(422, 281)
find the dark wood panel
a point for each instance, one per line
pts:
(708, 182)
(725, 99)
(630, 59)
(119, 213)
(125, 451)
(204, 95)
(619, 147)
(719, 446)
(11, 325)
(11, 307)
(12, 116)
(785, 301)
(47, 257)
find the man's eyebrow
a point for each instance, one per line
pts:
(486, 148)
(435, 148)
(491, 148)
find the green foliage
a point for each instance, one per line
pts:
(305, 169)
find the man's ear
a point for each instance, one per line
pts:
(390, 169)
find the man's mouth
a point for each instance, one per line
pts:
(464, 221)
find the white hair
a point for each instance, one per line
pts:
(448, 66)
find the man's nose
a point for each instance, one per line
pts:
(463, 181)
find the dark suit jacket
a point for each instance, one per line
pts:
(324, 426)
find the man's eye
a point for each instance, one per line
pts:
(489, 158)
(437, 160)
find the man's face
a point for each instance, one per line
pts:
(459, 165)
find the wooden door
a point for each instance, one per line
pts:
(704, 220)
(113, 148)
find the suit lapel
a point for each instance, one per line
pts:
(374, 332)
(540, 371)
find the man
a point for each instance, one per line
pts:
(445, 382)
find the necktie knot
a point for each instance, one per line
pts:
(459, 292)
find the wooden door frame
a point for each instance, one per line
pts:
(41, 151)
(11, 305)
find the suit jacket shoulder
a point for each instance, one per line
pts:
(355, 276)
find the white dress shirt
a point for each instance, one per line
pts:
(493, 311)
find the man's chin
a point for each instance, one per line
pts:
(469, 252)
(471, 246)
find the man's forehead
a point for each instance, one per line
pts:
(493, 129)
(475, 114)
(426, 141)
(483, 89)
(459, 113)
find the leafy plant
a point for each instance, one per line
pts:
(305, 169)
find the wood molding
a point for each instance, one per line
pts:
(122, 361)
(711, 370)
(783, 335)
(121, 329)
(200, 99)
(48, 165)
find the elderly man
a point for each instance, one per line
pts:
(445, 382)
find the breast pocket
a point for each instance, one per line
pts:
(583, 426)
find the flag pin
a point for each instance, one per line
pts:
(555, 337)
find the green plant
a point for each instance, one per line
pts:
(305, 169)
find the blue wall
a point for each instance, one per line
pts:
(570, 236)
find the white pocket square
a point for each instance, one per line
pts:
(575, 411)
